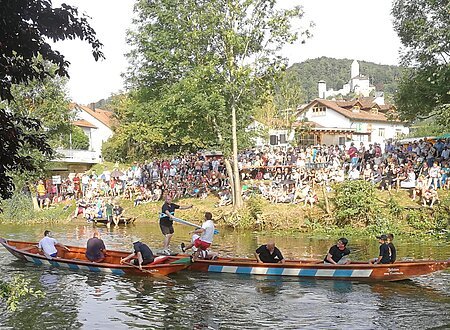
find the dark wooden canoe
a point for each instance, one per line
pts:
(122, 221)
(316, 269)
(75, 259)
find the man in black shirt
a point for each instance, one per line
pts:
(392, 249)
(269, 253)
(95, 250)
(141, 254)
(384, 255)
(166, 221)
(337, 255)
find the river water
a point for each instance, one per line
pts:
(83, 300)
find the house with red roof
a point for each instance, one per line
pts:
(97, 124)
(337, 122)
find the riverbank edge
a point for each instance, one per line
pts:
(262, 216)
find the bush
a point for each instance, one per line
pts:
(355, 203)
(20, 209)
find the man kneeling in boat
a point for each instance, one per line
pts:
(203, 242)
(338, 254)
(95, 250)
(269, 253)
(48, 245)
(141, 253)
(204, 254)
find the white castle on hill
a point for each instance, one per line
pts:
(357, 84)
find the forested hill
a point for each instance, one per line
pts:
(336, 73)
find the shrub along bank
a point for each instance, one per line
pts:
(356, 209)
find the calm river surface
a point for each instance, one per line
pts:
(83, 300)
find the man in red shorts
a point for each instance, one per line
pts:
(206, 233)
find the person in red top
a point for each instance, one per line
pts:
(76, 186)
(353, 154)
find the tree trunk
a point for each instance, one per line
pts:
(231, 178)
(325, 197)
(236, 176)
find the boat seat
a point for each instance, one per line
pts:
(159, 260)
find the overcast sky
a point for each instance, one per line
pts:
(353, 29)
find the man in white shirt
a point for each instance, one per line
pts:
(206, 233)
(48, 245)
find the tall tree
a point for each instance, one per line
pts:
(205, 64)
(423, 28)
(25, 28)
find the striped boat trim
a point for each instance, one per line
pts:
(302, 272)
(71, 266)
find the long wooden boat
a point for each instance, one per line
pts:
(75, 259)
(316, 269)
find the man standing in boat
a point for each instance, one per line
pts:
(269, 253)
(338, 254)
(48, 245)
(166, 221)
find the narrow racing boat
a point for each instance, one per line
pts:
(75, 259)
(316, 269)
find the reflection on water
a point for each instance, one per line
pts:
(83, 300)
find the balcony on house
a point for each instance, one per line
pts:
(77, 156)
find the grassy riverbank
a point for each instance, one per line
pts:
(386, 212)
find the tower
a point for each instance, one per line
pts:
(354, 69)
(322, 85)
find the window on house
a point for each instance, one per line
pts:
(398, 133)
(319, 111)
(283, 138)
(341, 140)
(273, 140)
(381, 132)
(307, 139)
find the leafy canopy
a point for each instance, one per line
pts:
(26, 56)
(423, 28)
(194, 63)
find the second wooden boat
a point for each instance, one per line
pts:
(75, 259)
(316, 269)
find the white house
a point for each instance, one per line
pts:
(338, 122)
(270, 136)
(95, 123)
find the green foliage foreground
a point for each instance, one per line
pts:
(16, 291)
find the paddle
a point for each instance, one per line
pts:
(184, 222)
(155, 274)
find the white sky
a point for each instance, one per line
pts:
(353, 29)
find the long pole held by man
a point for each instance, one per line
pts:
(166, 221)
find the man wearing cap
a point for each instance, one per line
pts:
(384, 256)
(166, 221)
(141, 254)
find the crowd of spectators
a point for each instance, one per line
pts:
(282, 175)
